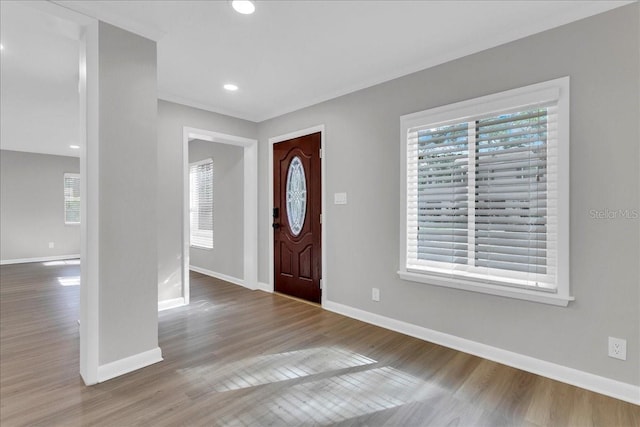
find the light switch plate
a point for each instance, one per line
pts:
(340, 198)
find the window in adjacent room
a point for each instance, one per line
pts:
(71, 198)
(485, 194)
(201, 203)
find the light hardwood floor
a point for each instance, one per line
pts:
(238, 357)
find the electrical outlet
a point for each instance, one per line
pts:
(51, 245)
(618, 348)
(375, 294)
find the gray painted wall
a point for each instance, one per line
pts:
(171, 120)
(128, 168)
(32, 206)
(226, 257)
(362, 157)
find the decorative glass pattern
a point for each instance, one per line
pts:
(296, 196)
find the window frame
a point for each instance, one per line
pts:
(556, 90)
(200, 233)
(73, 175)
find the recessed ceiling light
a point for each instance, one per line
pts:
(1, 47)
(230, 87)
(246, 7)
(75, 147)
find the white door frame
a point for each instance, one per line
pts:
(323, 210)
(250, 208)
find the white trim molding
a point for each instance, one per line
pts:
(170, 303)
(250, 190)
(221, 276)
(264, 287)
(616, 389)
(488, 288)
(89, 204)
(166, 95)
(129, 364)
(39, 259)
(269, 287)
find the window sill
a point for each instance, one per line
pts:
(486, 288)
(204, 248)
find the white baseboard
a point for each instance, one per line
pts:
(129, 364)
(38, 259)
(264, 287)
(220, 276)
(617, 389)
(170, 303)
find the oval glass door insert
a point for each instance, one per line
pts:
(296, 196)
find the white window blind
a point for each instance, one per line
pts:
(71, 198)
(201, 203)
(482, 192)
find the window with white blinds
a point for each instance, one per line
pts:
(71, 198)
(485, 195)
(201, 203)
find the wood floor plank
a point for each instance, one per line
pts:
(236, 357)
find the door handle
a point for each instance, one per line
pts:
(275, 225)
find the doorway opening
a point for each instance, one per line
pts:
(250, 204)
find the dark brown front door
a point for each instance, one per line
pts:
(296, 217)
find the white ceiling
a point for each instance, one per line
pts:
(38, 81)
(288, 55)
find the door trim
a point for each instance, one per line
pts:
(323, 204)
(250, 199)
